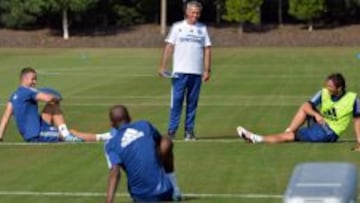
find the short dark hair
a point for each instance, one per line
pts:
(338, 80)
(26, 70)
(119, 114)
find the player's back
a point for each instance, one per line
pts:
(25, 111)
(135, 145)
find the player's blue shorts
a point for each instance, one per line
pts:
(316, 133)
(166, 196)
(48, 133)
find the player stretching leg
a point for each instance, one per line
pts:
(336, 108)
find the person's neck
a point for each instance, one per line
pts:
(339, 94)
(24, 85)
(189, 22)
(121, 124)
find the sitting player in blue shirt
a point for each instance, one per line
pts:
(23, 105)
(145, 156)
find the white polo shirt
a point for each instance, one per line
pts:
(189, 42)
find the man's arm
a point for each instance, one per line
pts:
(357, 129)
(311, 111)
(46, 97)
(113, 181)
(86, 136)
(167, 52)
(91, 137)
(5, 119)
(357, 132)
(207, 64)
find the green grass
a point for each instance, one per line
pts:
(260, 88)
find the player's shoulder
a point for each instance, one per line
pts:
(112, 142)
(357, 101)
(200, 25)
(141, 123)
(24, 91)
(178, 23)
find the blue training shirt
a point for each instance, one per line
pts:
(25, 111)
(316, 101)
(133, 147)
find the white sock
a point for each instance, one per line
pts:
(257, 138)
(172, 178)
(103, 136)
(64, 131)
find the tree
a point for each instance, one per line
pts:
(20, 13)
(356, 2)
(66, 6)
(280, 7)
(243, 11)
(307, 10)
(219, 6)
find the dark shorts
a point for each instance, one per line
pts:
(316, 133)
(48, 133)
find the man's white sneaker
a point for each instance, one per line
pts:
(246, 135)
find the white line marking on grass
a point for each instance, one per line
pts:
(167, 104)
(70, 143)
(240, 97)
(122, 75)
(98, 194)
(204, 140)
(155, 105)
(43, 143)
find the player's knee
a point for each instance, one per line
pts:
(52, 108)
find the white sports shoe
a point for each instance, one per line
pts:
(246, 135)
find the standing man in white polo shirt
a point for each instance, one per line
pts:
(189, 43)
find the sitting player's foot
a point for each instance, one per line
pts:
(246, 135)
(190, 136)
(72, 138)
(177, 196)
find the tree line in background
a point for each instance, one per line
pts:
(84, 14)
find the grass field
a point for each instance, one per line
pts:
(259, 88)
